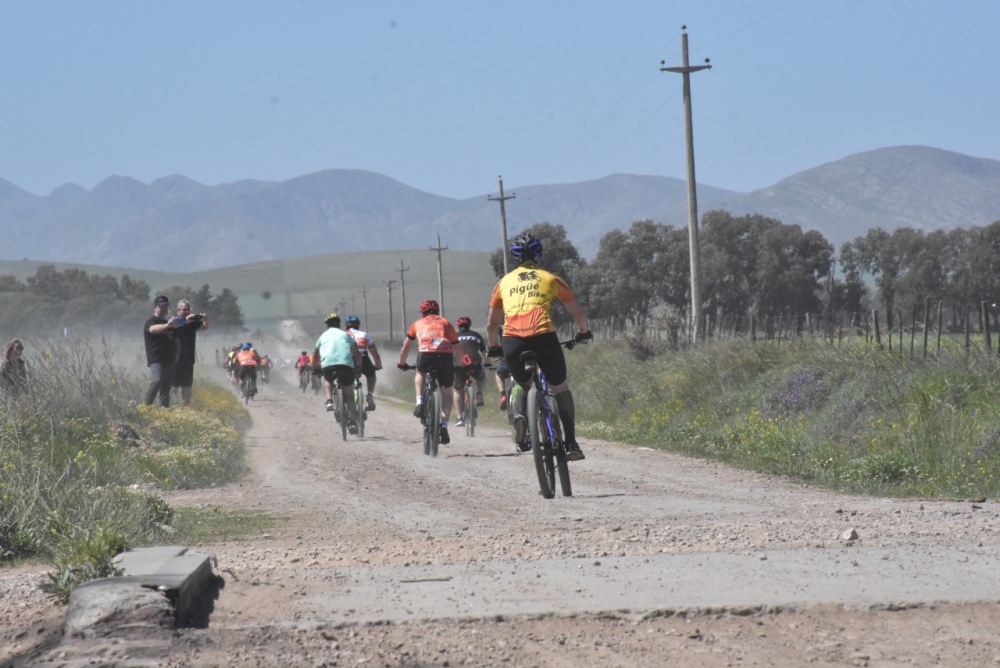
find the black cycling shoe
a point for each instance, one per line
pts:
(445, 439)
(352, 427)
(524, 446)
(574, 453)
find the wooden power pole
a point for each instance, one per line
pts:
(402, 293)
(503, 220)
(685, 70)
(440, 248)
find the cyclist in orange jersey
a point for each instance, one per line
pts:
(437, 347)
(522, 301)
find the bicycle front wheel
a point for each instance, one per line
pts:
(541, 448)
(559, 447)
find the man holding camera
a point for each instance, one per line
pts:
(186, 325)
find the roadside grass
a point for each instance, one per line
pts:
(853, 418)
(214, 524)
(81, 462)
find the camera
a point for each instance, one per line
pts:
(180, 322)
(197, 317)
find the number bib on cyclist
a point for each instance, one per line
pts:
(433, 334)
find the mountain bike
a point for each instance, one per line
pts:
(545, 429)
(246, 389)
(469, 409)
(431, 415)
(305, 373)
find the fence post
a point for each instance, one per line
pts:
(899, 326)
(913, 329)
(986, 325)
(968, 327)
(878, 334)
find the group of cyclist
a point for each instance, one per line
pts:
(519, 320)
(521, 304)
(243, 361)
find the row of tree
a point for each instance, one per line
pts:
(52, 301)
(760, 266)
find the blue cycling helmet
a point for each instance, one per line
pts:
(526, 247)
(245, 346)
(353, 322)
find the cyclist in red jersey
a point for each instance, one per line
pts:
(436, 348)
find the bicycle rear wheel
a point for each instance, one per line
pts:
(432, 426)
(559, 447)
(541, 449)
(341, 409)
(360, 410)
(470, 410)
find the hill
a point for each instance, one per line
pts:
(308, 287)
(176, 224)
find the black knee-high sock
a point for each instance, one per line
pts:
(567, 413)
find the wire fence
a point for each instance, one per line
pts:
(920, 330)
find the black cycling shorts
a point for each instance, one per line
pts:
(367, 366)
(248, 371)
(461, 372)
(551, 360)
(341, 372)
(443, 362)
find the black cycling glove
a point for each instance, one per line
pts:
(583, 336)
(494, 351)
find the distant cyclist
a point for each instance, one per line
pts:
(502, 373)
(303, 363)
(371, 361)
(522, 300)
(471, 348)
(247, 361)
(436, 348)
(340, 359)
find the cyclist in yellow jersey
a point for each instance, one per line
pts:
(522, 302)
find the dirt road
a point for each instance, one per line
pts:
(392, 558)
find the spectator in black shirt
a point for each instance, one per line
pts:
(161, 352)
(187, 324)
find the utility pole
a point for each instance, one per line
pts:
(389, 285)
(353, 309)
(685, 70)
(402, 293)
(440, 248)
(503, 219)
(343, 305)
(364, 296)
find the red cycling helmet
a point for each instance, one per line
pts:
(430, 306)
(464, 321)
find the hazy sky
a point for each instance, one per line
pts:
(445, 96)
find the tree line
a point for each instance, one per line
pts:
(51, 301)
(757, 266)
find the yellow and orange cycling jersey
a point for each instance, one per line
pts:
(526, 296)
(433, 334)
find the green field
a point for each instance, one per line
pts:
(312, 286)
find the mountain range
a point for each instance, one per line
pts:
(179, 225)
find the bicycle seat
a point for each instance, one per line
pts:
(529, 356)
